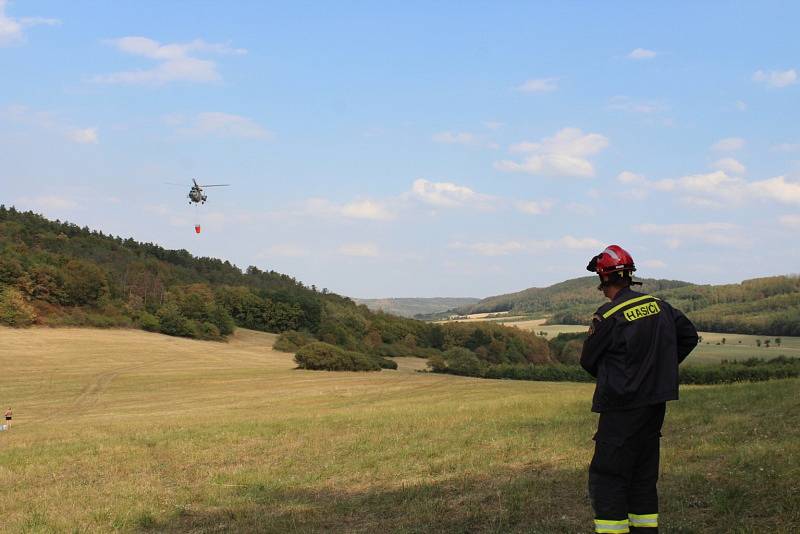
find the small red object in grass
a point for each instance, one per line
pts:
(197, 228)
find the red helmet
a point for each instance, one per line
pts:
(613, 259)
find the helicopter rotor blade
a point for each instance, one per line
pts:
(215, 185)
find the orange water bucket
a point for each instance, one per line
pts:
(197, 228)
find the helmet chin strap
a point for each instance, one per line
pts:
(614, 280)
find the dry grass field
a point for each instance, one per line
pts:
(119, 430)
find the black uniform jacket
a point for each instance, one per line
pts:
(635, 344)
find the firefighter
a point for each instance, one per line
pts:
(634, 346)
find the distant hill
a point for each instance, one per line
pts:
(572, 300)
(411, 307)
(766, 306)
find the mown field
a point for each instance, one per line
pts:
(119, 430)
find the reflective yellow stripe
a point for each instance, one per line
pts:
(643, 520)
(618, 307)
(611, 526)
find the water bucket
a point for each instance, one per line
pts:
(197, 228)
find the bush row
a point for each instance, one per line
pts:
(326, 357)
(752, 370)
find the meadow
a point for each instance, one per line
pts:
(124, 430)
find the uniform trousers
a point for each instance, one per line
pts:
(624, 470)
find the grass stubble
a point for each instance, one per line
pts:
(119, 430)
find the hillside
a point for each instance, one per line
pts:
(763, 306)
(412, 307)
(58, 274)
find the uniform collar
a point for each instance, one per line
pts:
(623, 295)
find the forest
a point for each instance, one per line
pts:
(56, 273)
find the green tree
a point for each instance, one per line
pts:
(173, 323)
(14, 310)
(84, 282)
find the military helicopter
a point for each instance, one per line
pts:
(196, 193)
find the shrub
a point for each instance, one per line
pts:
(14, 309)
(326, 357)
(173, 323)
(207, 330)
(461, 361)
(437, 364)
(149, 322)
(292, 341)
(396, 350)
(571, 352)
(544, 373)
(384, 363)
(751, 370)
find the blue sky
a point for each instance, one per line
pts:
(418, 149)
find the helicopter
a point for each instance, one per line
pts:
(196, 193)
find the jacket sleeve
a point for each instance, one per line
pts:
(686, 335)
(596, 344)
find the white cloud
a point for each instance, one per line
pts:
(47, 202)
(218, 124)
(625, 103)
(48, 122)
(730, 165)
(83, 136)
(176, 61)
(652, 264)
(534, 207)
(455, 138)
(564, 154)
(493, 125)
(359, 209)
(628, 177)
(791, 221)
(718, 188)
(12, 29)
(712, 233)
(777, 189)
(642, 53)
(504, 248)
(729, 144)
(539, 85)
(776, 78)
(712, 188)
(741, 105)
(360, 250)
(447, 194)
(366, 209)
